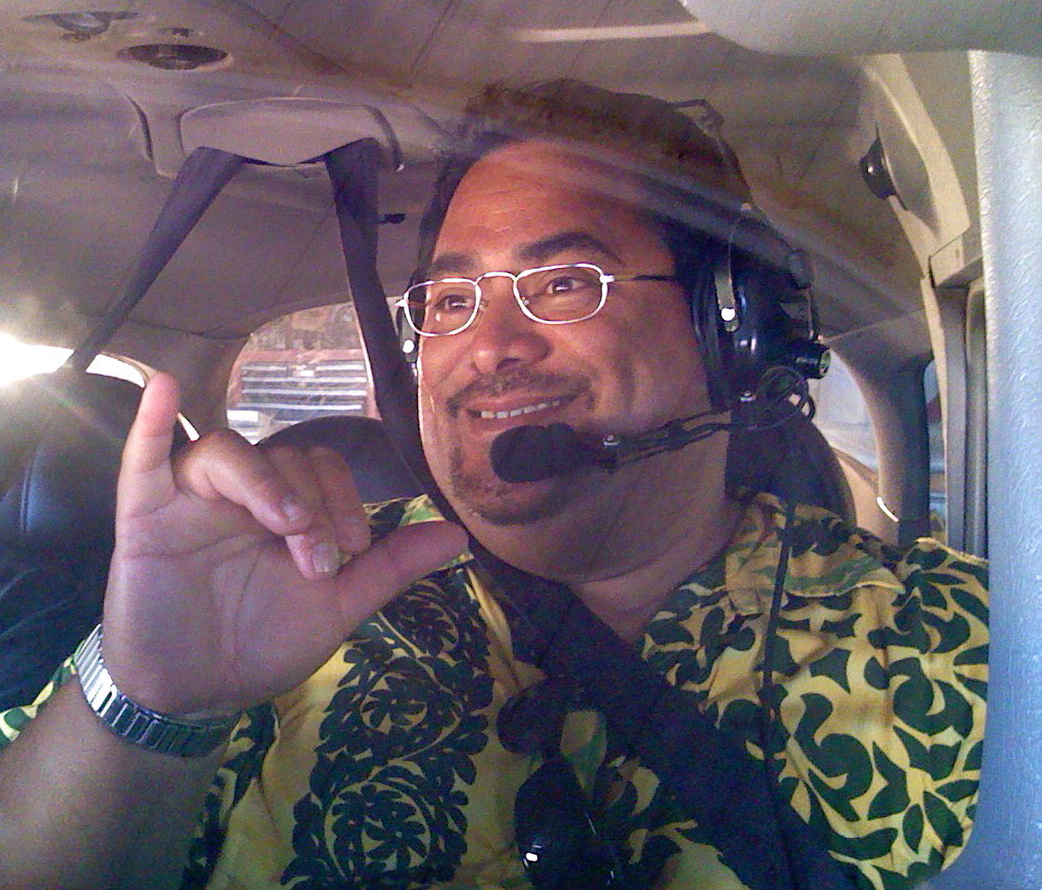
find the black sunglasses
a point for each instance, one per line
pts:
(557, 838)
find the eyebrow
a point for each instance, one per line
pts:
(534, 252)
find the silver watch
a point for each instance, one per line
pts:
(140, 725)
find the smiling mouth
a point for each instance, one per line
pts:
(520, 412)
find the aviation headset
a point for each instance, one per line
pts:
(751, 313)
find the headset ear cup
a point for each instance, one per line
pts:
(776, 325)
(774, 321)
(761, 334)
(408, 339)
(753, 339)
(714, 340)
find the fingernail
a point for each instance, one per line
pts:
(325, 559)
(293, 509)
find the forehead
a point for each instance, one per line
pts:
(528, 191)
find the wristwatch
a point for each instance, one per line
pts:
(140, 725)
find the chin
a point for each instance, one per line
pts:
(499, 503)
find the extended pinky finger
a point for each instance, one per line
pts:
(371, 580)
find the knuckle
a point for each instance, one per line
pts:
(328, 460)
(221, 438)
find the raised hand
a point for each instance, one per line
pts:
(226, 585)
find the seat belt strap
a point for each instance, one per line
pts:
(202, 176)
(713, 778)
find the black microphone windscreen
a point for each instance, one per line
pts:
(531, 453)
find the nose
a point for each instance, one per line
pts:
(502, 335)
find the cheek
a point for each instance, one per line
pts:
(429, 415)
(438, 358)
(682, 366)
(656, 358)
(439, 375)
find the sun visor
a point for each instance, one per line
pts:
(289, 131)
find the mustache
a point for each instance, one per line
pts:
(516, 380)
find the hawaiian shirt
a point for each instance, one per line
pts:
(386, 770)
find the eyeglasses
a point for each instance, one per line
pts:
(557, 838)
(547, 294)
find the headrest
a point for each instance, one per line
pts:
(793, 461)
(61, 438)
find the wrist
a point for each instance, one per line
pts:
(182, 736)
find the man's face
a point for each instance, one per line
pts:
(631, 367)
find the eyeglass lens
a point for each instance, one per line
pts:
(551, 294)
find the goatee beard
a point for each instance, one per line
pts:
(493, 499)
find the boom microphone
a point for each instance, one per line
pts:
(531, 453)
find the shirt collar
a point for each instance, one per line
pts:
(824, 559)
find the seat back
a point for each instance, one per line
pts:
(380, 473)
(61, 439)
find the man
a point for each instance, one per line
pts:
(393, 760)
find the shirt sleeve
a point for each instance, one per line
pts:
(884, 730)
(14, 720)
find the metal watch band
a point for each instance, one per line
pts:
(137, 724)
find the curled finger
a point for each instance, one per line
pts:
(317, 549)
(224, 466)
(340, 500)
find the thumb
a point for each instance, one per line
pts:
(371, 579)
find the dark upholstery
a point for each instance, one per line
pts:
(46, 608)
(364, 443)
(793, 461)
(61, 438)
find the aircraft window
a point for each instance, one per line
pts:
(842, 415)
(19, 360)
(938, 499)
(843, 418)
(306, 364)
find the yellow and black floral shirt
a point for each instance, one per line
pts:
(385, 770)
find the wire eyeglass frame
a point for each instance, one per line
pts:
(407, 302)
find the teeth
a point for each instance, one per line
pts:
(518, 412)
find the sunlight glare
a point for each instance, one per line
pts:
(19, 360)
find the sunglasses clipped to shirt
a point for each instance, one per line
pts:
(557, 838)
